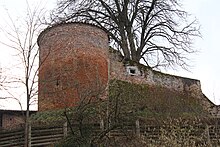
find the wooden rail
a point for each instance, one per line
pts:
(48, 135)
(40, 136)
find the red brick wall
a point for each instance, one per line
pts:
(11, 121)
(74, 64)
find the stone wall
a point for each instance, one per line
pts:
(151, 77)
(73, 64)
(145, 75)
(12, 121)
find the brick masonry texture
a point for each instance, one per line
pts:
(152, 77)
(73, 64)
(11, 121)
(156, 78)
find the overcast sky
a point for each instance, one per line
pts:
(204, 64)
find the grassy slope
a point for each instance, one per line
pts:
(154, 102)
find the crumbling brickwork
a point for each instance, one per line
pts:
(156, 78)
(73, 64)
(151, 77)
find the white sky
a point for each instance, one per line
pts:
(205, 63)
(207, 67)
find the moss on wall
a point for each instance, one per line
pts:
(153, 101)
(128, 102)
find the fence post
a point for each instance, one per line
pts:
(102, 124)
(65, 129)
(29, 135)
(207, 134)
(137, 124)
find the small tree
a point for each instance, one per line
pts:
(23, 42)
(111, 113)
(156, 31)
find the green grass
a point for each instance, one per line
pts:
(154, 102)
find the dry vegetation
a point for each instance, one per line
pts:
(175, 113)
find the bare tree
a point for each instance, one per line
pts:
(155, 31)
(1, 78)
(114, 114)
(23, 42)
(79, 103)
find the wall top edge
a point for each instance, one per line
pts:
(66, 24)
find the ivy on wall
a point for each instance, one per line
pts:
(153, 101)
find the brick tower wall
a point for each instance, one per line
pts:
(73, 65)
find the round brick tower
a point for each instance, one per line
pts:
(73, 65)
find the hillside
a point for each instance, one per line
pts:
(145, 101)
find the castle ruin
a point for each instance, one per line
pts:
(75, 60)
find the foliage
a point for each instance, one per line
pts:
(82, 120)
(150, 101)
(48, 116)
(157, 31)
(77, 139)
(93, 122)
(180, 132)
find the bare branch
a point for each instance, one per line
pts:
(132, 25)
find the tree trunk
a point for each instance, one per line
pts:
(127, 55)
(27, 135)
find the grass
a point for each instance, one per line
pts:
(154, 102)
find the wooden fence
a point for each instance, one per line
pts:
(40, 136)
(48, 135)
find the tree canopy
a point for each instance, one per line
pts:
(157, 32)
